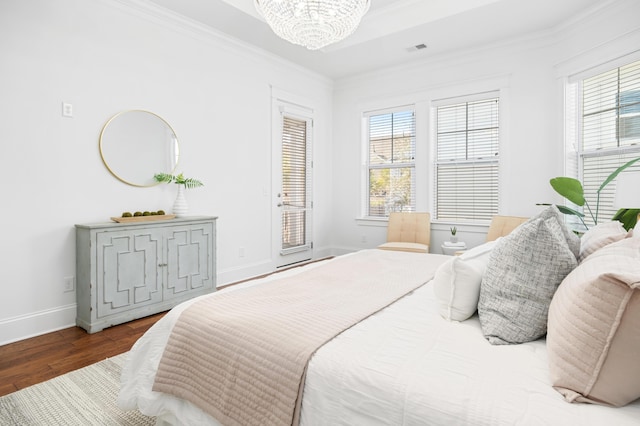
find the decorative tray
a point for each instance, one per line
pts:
(143, 218)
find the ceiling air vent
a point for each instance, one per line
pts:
(417, 47)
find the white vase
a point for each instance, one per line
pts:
(454, 239)
(180, 206)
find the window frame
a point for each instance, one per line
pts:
(367, 166)
(575, 153)
(289, 138)
(499, 96)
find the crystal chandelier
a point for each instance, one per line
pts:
(313, 23)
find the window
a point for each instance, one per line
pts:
(391, 162)
(466, 165)
(607, 116)
(295, 182)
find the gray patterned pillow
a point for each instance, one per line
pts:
(524, 271)
(572, 239)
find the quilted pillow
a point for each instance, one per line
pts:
(457, 282)
(599, 236)
(593, 340)
(524, 270)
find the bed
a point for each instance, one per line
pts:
(403, 365)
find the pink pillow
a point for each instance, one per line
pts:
(593, 337)
(599, 236)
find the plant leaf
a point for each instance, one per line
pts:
(563, 209)
(569, 188)
(613, 175)
(163, 177)
(628, 217)
(567, 210)
(178, 179)
(192, 183)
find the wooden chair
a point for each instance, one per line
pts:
(503, 225)
(408, 231)
(500, 226)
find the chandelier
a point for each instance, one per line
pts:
(313, 24)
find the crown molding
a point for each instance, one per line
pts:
(151, 12)
(459, 57)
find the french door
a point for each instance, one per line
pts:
(292, 204)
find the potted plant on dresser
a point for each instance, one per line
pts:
(180, 206)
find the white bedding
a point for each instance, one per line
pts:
(403, 366)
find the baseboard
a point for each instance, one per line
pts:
(42, 322)
(257, 269)
(37, 323)
(339, 251)
(232, 275)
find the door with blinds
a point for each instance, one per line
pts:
(292, 186)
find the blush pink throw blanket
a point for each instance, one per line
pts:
(241, 356)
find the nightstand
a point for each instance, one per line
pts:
(450, 248)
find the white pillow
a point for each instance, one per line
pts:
(457, 282)
(599, 236)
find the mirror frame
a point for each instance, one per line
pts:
(104, 160)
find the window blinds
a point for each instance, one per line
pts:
(467, 146)
(294, 182)
(610, 132)
(391, 162)
(596, 169)
(611, 108)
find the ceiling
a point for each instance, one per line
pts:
(391, 29)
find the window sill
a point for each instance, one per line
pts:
(372, 221)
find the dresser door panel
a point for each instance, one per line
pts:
(128, 273)
(189, 250)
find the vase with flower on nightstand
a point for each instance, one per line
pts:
(180, 206)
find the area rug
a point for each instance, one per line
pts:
(83, 397)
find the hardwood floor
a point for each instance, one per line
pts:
(41, 358)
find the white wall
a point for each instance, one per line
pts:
(105, 56)
(529, 72)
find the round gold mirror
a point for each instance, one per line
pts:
(136, 144)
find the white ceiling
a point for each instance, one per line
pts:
(391, 28)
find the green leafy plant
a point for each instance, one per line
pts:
(177, 179)
(453, 230)
(572, 190)
(628, 217)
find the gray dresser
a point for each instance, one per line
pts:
(126, 271)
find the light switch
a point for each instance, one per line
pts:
(67, 110)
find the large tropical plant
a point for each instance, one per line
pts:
(572, 190)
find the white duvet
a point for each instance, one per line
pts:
(405, 365)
